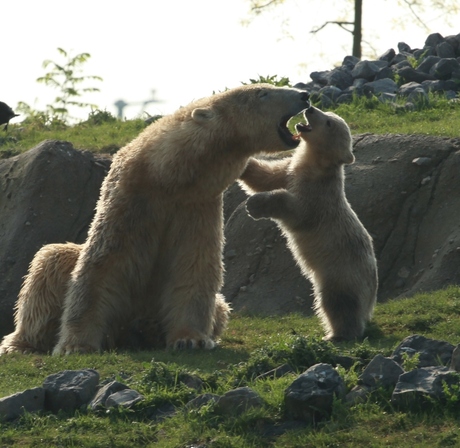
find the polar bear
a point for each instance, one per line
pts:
(305, 196)
(154, 248)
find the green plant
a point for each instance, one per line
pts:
(410, 361)
(66, 77)
(283, 82)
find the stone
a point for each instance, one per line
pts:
(310, 396)
(422, 161)
(386, 85)
(201, 401)
(365, 69)
(237, 401)
(70, 389)
(445, 50)
(381, 371)
(418, 388)
(13, 406)
(388, 55)
(411, 75)
(444, 68)
(427, 63)
(125, 398)
(433, 40)
(431, 352)
(99, 401)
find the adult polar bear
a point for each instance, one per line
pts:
(154, 248)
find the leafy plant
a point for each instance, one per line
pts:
(283, 82)
(66, 77)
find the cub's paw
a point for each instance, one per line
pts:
(187, 344)
(258, 206)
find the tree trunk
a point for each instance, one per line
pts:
(357, 31)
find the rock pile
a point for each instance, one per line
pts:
(309, 398)
(410, 73)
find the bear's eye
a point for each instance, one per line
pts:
(328, 122)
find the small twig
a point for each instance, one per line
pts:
(341, 24)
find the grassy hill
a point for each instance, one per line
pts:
(250, 346)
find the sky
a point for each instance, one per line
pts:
(181, 50)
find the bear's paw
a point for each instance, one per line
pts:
(186, 344)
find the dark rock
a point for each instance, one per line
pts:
(70, 389)
(310, 396)
(381, 371)
(385, 73)
(13, 406)
(386, 85)
(404, 48)
(418, 388)
(444, 68)
(422, 161)
(427, 63)
(366, 70)
(33, 214)
(125, 398)
(445, 50)
(455, 361)
(411, 75)
(99, 401)
(349, 62)
(433, 40)
(431, 352)
(359, 394)
(388, 55)
(237, 401)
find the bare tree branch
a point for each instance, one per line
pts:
(341, 24)
(411, 5)
(256, 7)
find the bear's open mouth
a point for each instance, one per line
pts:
(288, 138)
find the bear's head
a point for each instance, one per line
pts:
(252, 117)
(327, 136)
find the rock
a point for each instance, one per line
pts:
(381, 371)
(455, 360)
(310, 396)
(431, 352)
(418, 388)
(445, 50)
(237, 401)
(99, 401)
(444, 68)
(422, 161)
(70, 389)
(386, 85)
(29, 183)
(365, 69)
(125, 398)
(13, 406)
(357, 395)
(433, 40)
(427, 63)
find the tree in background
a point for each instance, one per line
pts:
(68, 80)
(416, 7)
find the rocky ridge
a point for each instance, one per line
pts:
(409, 73)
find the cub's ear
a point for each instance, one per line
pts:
(203, 115)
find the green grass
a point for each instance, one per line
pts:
(250, 346)
(104, 134)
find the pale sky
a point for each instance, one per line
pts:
(182, 49)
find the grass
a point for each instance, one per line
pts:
(251, 345)
(102, 133)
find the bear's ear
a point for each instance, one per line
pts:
(202, 115)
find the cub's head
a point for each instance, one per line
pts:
(252, 117)
(328, 135)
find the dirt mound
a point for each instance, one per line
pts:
(405, 189)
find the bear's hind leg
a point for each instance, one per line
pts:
(341, 314)
(39, 304)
